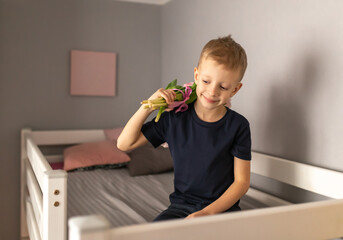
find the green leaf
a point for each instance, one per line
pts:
(179, 87)
(194, 87)
(193, 95)
(172, 84)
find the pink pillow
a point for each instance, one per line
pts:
(94, 153)
(56, 165)
(113, 134)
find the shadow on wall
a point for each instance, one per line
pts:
(288, 122)
(291, 100)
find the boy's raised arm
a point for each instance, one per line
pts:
(132, 137)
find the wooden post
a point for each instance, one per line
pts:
(89, 227)
(55, 205)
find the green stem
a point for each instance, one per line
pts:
(159, 113)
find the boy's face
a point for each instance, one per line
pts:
(215, 83)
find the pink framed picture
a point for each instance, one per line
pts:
(92, 73)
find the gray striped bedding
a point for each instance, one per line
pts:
(122, 199)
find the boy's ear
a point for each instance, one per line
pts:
(239, 85)
(196, 75)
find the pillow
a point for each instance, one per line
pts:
(149, 160)
(104, 167)
(113, 134)
(93, 154)
(57, 165)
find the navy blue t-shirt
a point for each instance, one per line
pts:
(203, 152)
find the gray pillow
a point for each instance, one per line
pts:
(149, 160)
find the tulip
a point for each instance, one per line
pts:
(185, 94)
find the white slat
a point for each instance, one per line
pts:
(55, 205)
(311, 178)
(37, 161)
(36, 197)
(67, 136)
(32, 224)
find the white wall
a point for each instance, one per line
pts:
(292, 93)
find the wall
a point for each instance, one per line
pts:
(291, 92)
(292, 88)
(35, 42)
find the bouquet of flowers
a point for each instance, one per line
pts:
(184, 95)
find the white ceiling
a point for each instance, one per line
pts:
(157, 2)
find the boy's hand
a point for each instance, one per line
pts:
(168, 94)
(197, 214)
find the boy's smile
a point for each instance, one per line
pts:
(215, 86)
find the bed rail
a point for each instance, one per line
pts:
(315, 179)
(47, 188)
(37, 161)
(60, 137)
(44, 203)
(315, 220)
(33, 225)
(37, 197)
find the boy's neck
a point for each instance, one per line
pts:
(207, 115)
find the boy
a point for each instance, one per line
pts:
(210, 144)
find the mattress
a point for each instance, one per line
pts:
(122, 199)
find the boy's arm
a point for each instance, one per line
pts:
(237, 189)
(132, 137)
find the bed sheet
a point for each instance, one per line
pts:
(122, 199)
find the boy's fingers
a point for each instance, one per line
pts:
(168, 95)
(171, 96)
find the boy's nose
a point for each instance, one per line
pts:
(213, 90)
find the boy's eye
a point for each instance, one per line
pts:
(223, 88)
(204, 81)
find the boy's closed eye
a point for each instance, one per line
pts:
(221, 87)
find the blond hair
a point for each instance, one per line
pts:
(225, 51)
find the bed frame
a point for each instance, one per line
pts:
(44, 202)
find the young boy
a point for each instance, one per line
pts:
(210, 144)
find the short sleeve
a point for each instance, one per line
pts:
(242, 143)
(155, 132)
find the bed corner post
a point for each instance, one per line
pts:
(55, 205)
(89, 227)
(23, 158)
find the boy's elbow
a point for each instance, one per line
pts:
(244, 185)
(125, 144)
(247, 187)
(121, 146)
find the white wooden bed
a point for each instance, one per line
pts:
(44, 202)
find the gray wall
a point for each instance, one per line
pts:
(292, 90)
(35, 42)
